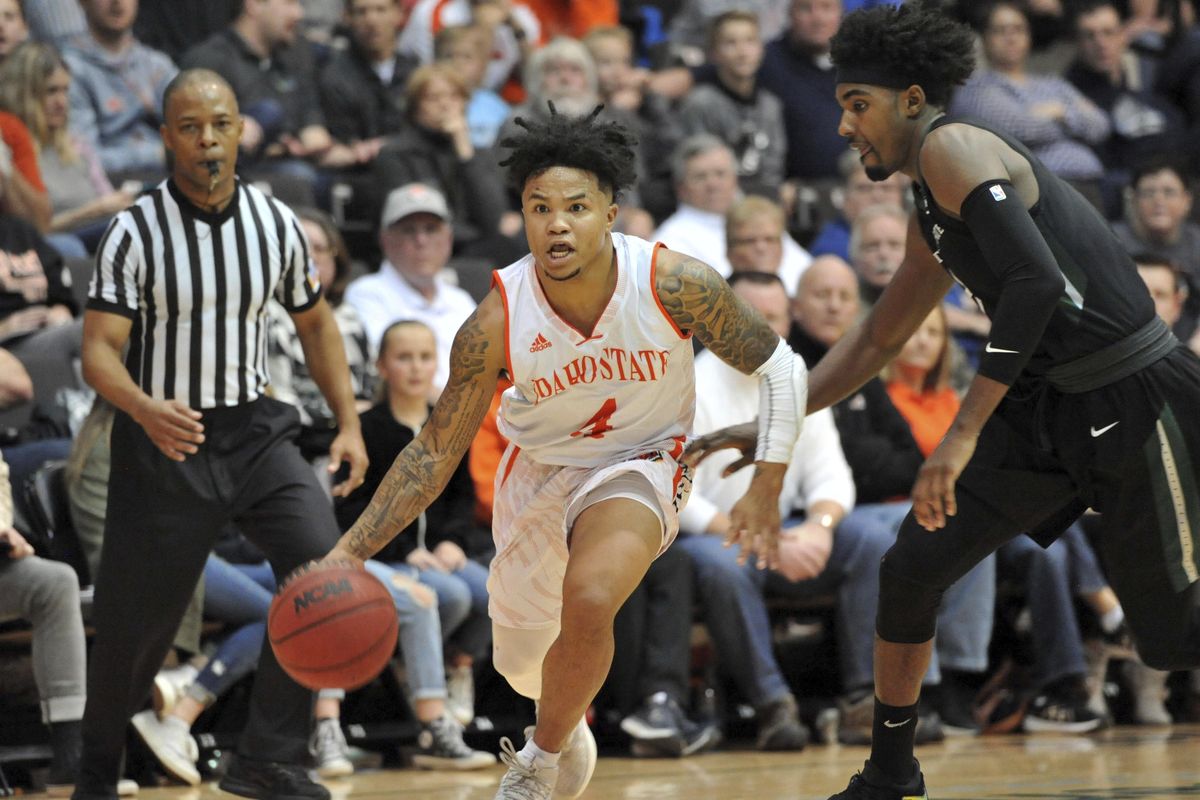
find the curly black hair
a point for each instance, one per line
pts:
(919, 42)
(605, 149)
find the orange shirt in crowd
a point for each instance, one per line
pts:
(573, 18)
(24, 154)
(929, 414)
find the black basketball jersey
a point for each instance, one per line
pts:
(1104, 299)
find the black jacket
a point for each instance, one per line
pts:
(31, 271)
(450, 517)
(877, 441)
(357, 104)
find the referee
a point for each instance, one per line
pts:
(183, 277)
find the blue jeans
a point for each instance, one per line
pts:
(736, 614)
(420, 635)
(237, 594)
(964, 621)
(1052, 576)
(462, 606)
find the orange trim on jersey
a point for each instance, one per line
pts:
(677, 450)
(516, 451)
(499, 285)
(675, 483)
(606, 314)
(654, 290)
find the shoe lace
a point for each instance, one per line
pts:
(447, 737)
(521, 782)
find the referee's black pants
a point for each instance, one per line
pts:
(1131, 451)
(163, 519)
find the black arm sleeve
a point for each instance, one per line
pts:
(1032, 281)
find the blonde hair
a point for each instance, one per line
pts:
(422, 76)
(938, 377)
(750, 208)
(24, 77)
(453, 34)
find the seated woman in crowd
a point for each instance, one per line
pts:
(439, 546)
(291, 380)
(34, 82)
(1045, 113)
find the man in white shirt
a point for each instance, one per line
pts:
(820, 487)
(416, 237)
(706, 186)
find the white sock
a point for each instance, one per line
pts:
(534, 756)
(1112, 619)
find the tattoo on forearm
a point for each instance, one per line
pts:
(423, 468)
(699, 300)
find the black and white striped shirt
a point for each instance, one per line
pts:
(196, 286)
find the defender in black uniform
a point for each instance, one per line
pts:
(1083, 397)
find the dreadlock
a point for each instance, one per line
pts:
(915, 43)
(605, 149)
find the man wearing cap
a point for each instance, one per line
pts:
(416, 238)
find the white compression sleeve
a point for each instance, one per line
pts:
(782, 402)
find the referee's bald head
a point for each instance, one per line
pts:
(189, 78)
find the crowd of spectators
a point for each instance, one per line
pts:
(389, 116)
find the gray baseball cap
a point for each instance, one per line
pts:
(414, 198)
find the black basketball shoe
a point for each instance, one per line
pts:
(871, 784)
(271, 780)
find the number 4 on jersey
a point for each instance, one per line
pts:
(595, 427)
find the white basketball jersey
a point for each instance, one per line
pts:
(580, 400)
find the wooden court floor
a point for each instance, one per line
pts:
(1126, 762)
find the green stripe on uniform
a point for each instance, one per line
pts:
(1175, 500)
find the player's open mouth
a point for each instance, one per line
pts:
(863, 148)
(560, 252)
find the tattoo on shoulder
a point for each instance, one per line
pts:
(423, 468)
(699, 300)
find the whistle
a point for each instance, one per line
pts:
(214, 174)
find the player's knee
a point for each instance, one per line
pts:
(907, 608)
(589, 605)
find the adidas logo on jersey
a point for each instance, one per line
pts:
(539, 344)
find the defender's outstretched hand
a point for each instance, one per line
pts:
(742, 437)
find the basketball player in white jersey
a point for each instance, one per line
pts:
(593, 328)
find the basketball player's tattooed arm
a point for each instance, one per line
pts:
(423, 468)
(701, 302)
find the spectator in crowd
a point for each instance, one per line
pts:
(46, 593)
(1169, 290)
(435, 149)
(918, 382)
(1158, 219)
(441, 547)
(13, 30)
(363, 86)
(35, 288)
(416, 236)
(291, 379)
(627, 95)
(1121, 82)
(884, 456)
(34, 84)
(515, 30)
(691, 24)
(22, 193)
(274, 76)
(857, 192)
(797, 69)
(175, 26)
(877, 248)
(464, 48)
(736, 109)
(55, 21)
(757, 241)
(705, 177)
(648, 681)
(1044, 112)
(117, 86)
(812, 561)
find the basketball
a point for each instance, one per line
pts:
(333, 626)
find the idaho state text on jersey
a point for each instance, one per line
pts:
(613, 364)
